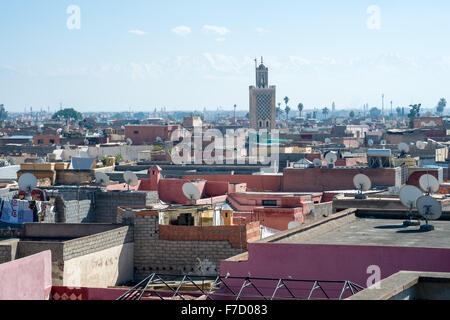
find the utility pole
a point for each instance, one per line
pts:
(382, 104)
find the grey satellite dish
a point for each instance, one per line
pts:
(293, 225)
(370, 142)
(317, 162)
(362, 183)
(421, 145)
(429, 183)
(27, 182)
(158, 139)
(331, 158)
(408, 197)
(403, 147)
(10, 160)
(102, 179)
(191, 191)
(129, 142)
(130, 179)
(430, 209)
(59, 131)
(327, 140)
(360, 141)
(86, 142)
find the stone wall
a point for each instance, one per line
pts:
(188, 252)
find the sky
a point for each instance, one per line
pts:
(112, 55)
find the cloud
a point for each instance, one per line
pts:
(182, 30)
(138, 32)
(221, 31)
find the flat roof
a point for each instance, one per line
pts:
(374, 232)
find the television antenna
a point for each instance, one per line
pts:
(27, 182)
(362, 183)
(191, 191)
(130, 179)
(317, 163)
(430, 209)
(429, 184)
(102, 179)
(408, 197)
(331, 159)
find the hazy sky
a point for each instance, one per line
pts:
(189, 55)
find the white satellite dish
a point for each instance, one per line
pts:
(86, 142)
(27, 182)
(331, 158)
(403, 147)
(429, 183)
(327, 140)
(10, 160)
(191, 191)
(408, 197)
(129, 142)
(362, 182)
(102, 179)
(130, 179)
(421, 145)
(317, 162)
(293, 225)
(370, 142)
(430, 209)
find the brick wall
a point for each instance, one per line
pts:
(74, 211)
(182, 252)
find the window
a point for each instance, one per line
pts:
(52, 141)
(40, 141)
(269, 203)
(136, 132)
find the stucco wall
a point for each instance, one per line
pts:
(109, 267)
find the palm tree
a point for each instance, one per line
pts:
(279, 111)
(286, 100)
(441, 106)
(300, 108)
(325, 111)
(399, 111)
(287, 110)
(352, 114)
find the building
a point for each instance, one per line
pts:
(262, 101)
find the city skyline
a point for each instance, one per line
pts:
(201, 55)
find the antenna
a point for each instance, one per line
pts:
(331, 159)
(102, 179)
(130, 179)
(362, 183)
(191, 191)
(430, 209)
(27, 182)
(317, 162)
(408, 197)
(429, 184)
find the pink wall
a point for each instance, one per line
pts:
(254, 182)
(29, 278)
(334, 262)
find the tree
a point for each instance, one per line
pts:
(375, 112)
(300, 108)
(399, 111)
(286, 100)
(441, 106)
(352, 114)
(3, 113)
(68, 114)
(279, 111)
(325, 112)
(287, 110)
(414, 112)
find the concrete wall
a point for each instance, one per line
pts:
(8, 250)
(27, 279)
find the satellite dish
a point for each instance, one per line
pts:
(360, 141)
(86, 142)
(191, 191)
(429, 183)
(130, 179)
(408, 197)
(59, 131)
(430, 209)
(362, 183)
(421, 145)
(370, 142)
(383, 142)
(129, 142)
(293, 225)
(10, 160)
(102, 179)
(27, 182)
(327, 140)
(403, 147)
(331, 158)
(317, 162)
